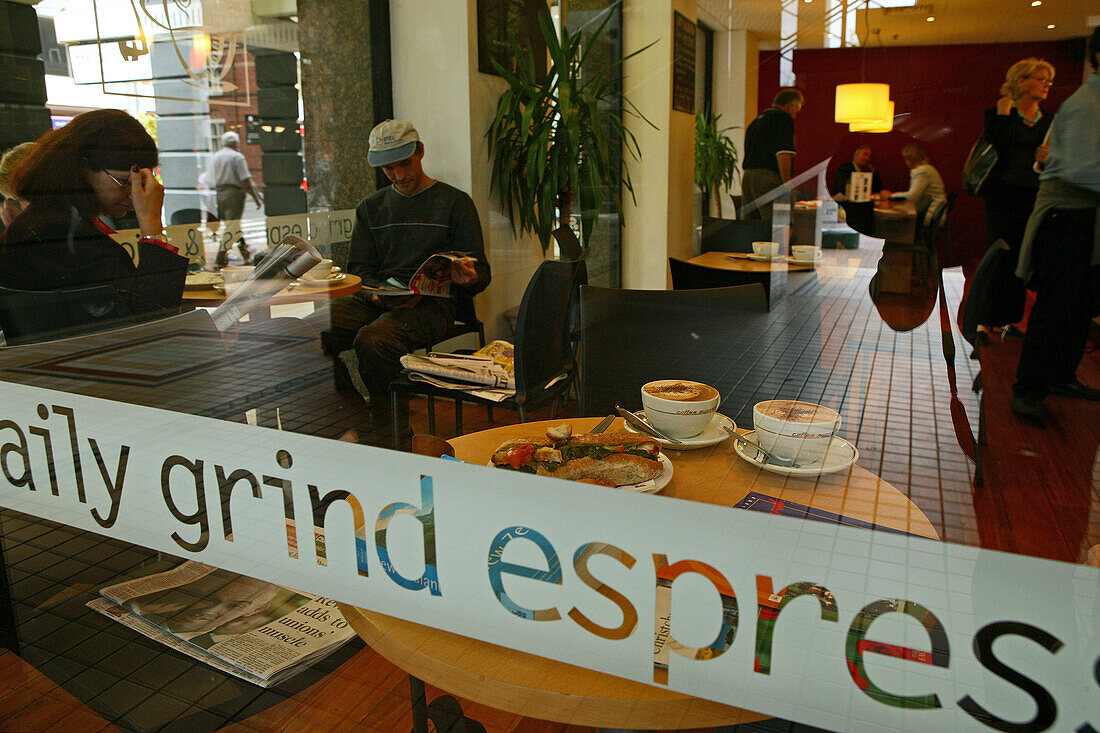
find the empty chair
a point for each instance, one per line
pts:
(733, 235)
(544, 363)
(27, 316)
(630, 337)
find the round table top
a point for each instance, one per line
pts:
(740, 262)
(293, 293)
(542, 688)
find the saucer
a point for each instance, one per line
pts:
(814, 261)
(331, 279)
(841, 455)
(764, 258)
(715, 432)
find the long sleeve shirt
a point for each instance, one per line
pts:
(926, 190)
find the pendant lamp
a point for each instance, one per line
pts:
(862, 103)
(886, 124)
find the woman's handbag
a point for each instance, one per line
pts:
(979, 164)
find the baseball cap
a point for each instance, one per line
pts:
(391, 141)
(231, 137)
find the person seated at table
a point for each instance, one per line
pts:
(99, 164)
(858, 215)
(926, 189)
(13, 205)
(396, 229)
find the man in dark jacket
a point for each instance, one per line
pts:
(769, 151)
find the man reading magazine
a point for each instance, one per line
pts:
(396, 230)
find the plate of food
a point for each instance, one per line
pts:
(627, 461)
(202, 281)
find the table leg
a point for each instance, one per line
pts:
(419, 705)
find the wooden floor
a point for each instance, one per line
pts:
(827, 342)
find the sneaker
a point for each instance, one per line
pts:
(222, 260)
(1029, 408)
(246, 253)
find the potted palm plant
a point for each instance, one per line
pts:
(715, 159)
(552, 144)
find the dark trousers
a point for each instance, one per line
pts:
(1007, 209)
(230, 205)
(1067, 286)
(380, 337)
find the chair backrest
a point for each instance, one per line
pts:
(630, 337)
(689, 276)
(542, 329)
(733, 235)
(187, 216)
(937, 229)
(27, 316)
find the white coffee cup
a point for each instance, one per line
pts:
(234, 276)
(320, 271)
(792, 430)
(765, 249)
(804, 252)
(679, 408)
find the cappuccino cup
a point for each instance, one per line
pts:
(234, 276)
(679, 408)
(320, 271)
(804, 252)
(765, 249)
(796, 431)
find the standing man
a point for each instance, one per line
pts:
(232, 180)
(769, 151)
(1060, 255)
(396, 229)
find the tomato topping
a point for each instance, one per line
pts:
(520, 455)
(619, 449)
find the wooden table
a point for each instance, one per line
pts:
(542, 688)
(897, 223)
(293, 293)
(772, 275)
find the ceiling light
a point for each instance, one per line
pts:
(886, 124)
(1050, 26)
(930, 18)
(861, 102)
(1036, 3)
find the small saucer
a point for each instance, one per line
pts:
(814, 261)
(841, 455)
(763, 258)
(330, 280)
(719, 428)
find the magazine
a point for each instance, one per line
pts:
(248, 628)
(433, 277)
(488, 373)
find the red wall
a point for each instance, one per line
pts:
(940, 93)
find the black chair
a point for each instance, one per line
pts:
(936, 235)
(466, 321)
(630, 337)
(733, 235)
(544, 363)
(29, 316)
(189, 216)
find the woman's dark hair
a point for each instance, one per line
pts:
(53, 175)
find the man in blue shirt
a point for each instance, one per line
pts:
(1060, 256)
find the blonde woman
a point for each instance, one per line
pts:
(1017, 127)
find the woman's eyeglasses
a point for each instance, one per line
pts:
(124, 185)
(1043, 81)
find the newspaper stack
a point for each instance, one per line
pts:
(488, 373)
(248, 628)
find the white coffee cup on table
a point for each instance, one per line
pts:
(234, 276)
(679, 408)
(765, 249)
(321, 271)
(804, 252)
(792, 430)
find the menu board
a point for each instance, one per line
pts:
(683, 64)
(499, 22)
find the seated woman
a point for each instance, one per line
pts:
(926, 189)
(101, 163)
(12, 206)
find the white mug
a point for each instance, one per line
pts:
(234, 276)
(804, 252)
(792, 430)
(320, 271)
(679, 408)
(765, 249)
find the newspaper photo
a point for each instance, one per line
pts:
(433, 277)
(249, 628)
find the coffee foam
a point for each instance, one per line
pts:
(681, 390)
(795, 411)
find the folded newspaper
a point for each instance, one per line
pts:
(283, 264)
(248, 628)
(488, 373)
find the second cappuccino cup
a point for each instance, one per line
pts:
(796, 431)
(679, 408)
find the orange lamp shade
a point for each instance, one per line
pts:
(882, 125)
(861, 102)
